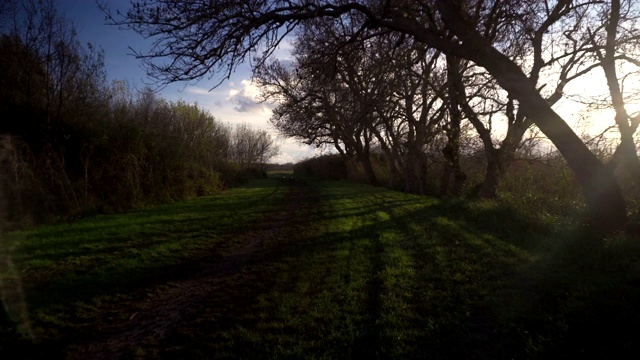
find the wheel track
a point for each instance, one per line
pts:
(179, 303)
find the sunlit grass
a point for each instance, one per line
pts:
(356, 272)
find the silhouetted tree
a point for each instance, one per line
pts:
(201, 38)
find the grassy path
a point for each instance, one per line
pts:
(179, 303)
(297, 268)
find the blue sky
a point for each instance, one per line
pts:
(233, 102)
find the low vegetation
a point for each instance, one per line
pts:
(491, 248)
(294, 267)
(73, 144)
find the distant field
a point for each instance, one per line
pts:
(280, 173)
(297, 268)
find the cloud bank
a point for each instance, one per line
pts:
(246, 100)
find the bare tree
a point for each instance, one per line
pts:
(365, 89)
(200, 38)
(71, 73)
(317, 104)
(615, 37)
(252, 148)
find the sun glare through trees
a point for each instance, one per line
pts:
(478, 195)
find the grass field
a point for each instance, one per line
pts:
(298, 268)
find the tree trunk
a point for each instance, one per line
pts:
(393, 174)
(391, 158)
(365, 161)
(603, 195)
(453, 178)
(489, 188)
(412, 174)
(445, 180)
(626, 153)
(604, 198)
(626, 158)
(451, 152)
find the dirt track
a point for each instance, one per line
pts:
(177, 303)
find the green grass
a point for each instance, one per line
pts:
(77, 264)
(383, 274)
(349, 271)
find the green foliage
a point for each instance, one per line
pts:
(544, 188)
(98, 148)
(133, 152)
(380, 165)
(327, 167)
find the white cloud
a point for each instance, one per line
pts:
(197, 90)
(284, 50)
(292, 151)
(236, 102)
(246, 99)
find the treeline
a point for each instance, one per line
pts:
(71, 144)
(413, 117)
(540, 185)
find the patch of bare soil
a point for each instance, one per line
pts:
(177, 303)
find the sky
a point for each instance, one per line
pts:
(233, 102)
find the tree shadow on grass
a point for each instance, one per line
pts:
(377, 322)
(391, 276)
(546, 292)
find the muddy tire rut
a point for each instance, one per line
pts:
(174, 304)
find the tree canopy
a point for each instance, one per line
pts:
(524, 46)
